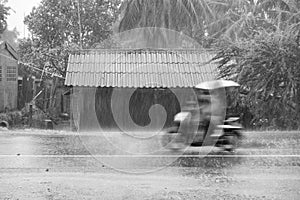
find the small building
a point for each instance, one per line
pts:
(8, 77)
(133, 90)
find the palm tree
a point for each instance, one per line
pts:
(261, 37)
(212, 19)
(245, 18)
(171, 14)
(185, 16)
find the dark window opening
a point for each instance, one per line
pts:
(0, 73)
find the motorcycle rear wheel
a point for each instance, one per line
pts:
(231, 142)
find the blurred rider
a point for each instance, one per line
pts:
(217, 111)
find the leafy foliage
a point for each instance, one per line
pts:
(14, 118)
(4, 12)
(257, 43)
(10, 36)
(187, 16)
(38, 54)
(56, 22)
(209, 20)
(267, 65)
(57, 30)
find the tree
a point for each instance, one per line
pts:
(10, 36)
(57, 30)
(57, 21)
(257, 41)
(209, 20)
(59, 27)
(4, 12)
(267, 65)
(38, 54)
(187, 16)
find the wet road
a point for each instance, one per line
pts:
(39, 150)
(40, 161)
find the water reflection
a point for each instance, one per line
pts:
(63, 145)
(42, 145)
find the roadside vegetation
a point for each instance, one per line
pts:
(257, 44)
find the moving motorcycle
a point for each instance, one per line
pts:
(192, 127)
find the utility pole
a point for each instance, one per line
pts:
(24, 26)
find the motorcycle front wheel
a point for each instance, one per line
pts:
(173, 140)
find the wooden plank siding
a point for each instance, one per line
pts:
(143, 80)
(131, 109)
(8, 80)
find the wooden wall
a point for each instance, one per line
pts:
(8, 89)
(127, 109)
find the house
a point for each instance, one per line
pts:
(131, 90)
(8, 77)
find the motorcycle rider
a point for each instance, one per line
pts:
(217, 112)
(212, 111)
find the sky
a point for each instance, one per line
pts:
(19, 9)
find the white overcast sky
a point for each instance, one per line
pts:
(16, 17)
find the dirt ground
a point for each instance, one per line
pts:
(242, 183)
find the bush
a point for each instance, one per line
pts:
(267, 67)
(14, 118)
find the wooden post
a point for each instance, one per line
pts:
(34, 91)
(45, 99)
(156, 118)
(30, 115)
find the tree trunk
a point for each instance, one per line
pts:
(298, 105)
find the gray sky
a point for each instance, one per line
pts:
(16, 17)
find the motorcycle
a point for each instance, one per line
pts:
(231, 134)
(189, 129)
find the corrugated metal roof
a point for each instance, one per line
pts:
(139, 68)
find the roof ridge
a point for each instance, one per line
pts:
(144, 49)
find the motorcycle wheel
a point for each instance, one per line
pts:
(173, 140)
(231, 142)
(168, 136)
